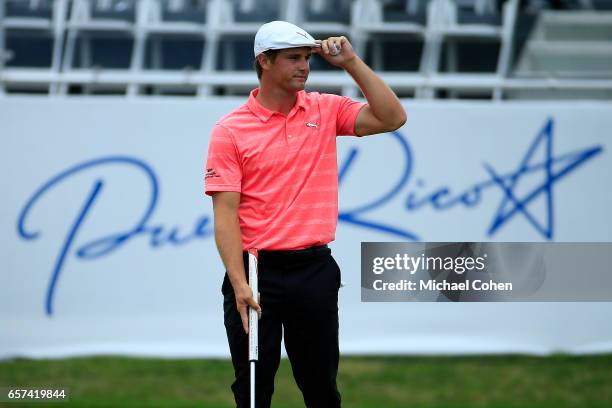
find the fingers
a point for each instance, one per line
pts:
(335, 45)
(243, 304)
(252, 303)
(331, 46)
(325, 47)
(245, 318)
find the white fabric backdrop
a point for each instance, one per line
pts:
(129, 174)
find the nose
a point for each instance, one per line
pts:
(304, 65)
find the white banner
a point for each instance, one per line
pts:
(108, 239)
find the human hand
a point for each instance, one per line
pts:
(244, 300)
(337, 51)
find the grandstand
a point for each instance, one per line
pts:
(427, 49)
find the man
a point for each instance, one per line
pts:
(272, 172)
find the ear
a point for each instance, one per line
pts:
(264, 61)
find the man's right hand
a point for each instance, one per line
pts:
(244, 299)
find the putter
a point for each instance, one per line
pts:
(253, 321)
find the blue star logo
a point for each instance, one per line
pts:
(553, 168)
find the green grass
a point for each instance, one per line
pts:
(365, 382)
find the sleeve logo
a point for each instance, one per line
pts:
(210, 173)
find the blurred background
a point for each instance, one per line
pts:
(482, 49)
(109, 276)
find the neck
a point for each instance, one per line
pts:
(275, 98)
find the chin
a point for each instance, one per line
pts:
(296, 86)
(300, 85)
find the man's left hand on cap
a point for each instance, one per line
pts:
(341, 44)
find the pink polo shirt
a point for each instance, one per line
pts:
(285, 168)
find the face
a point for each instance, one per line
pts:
(290, 69)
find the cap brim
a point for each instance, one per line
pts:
(311, 45)
(296, 46)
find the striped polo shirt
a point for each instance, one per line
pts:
(284, 167)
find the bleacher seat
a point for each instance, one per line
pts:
(31, 33)
(388, 33)
(480, 23)
(103, 30)
(567, 44)
(173, 33)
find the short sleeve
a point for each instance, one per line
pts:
(223, 165)
(348, 110)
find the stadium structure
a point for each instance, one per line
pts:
(426, 49)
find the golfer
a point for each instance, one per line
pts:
(273, 177)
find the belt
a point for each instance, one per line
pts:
(294, 253)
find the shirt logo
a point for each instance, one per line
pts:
(313, 125)
(211, 173)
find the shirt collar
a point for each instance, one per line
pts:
(263, 113)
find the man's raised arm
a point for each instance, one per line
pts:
(384, 112)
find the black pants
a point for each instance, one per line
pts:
(298, 295)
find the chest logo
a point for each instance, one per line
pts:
(312, 125)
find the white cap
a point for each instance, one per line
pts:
(278, 35)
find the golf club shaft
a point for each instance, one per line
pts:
(253, 321)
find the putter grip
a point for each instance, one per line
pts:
(253, 318)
